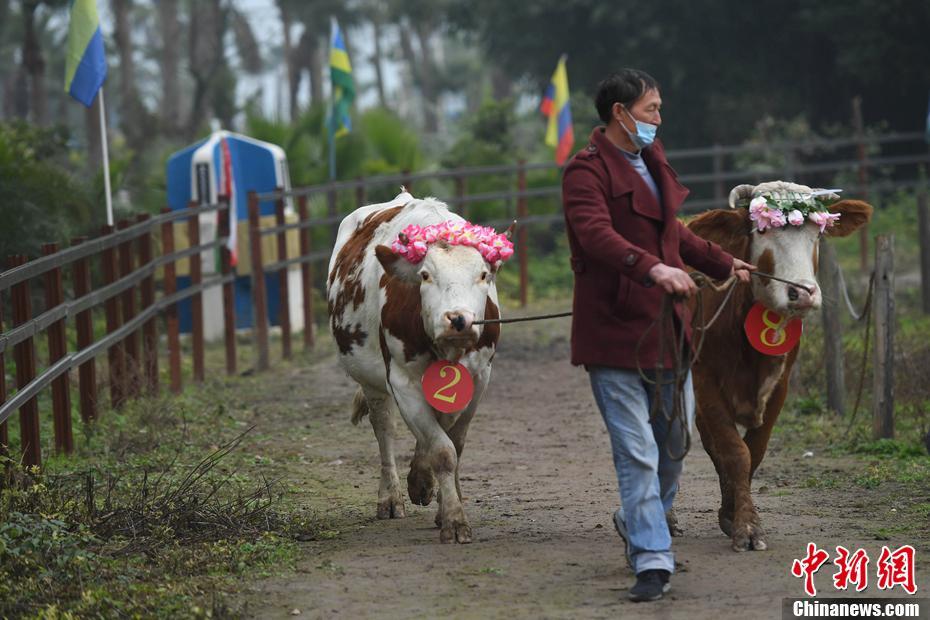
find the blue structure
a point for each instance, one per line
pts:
(226, 164)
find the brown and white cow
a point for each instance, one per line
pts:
(391, 319)
(739, 391)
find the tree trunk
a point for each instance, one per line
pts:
(133, 119)
(314, 58)
(290, 61)
(169, 60)
(376, 61)
(34, 63)
(406, 48)
(501, 84)
(428, 80)
(206, 58)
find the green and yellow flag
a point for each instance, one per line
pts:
(340, 71)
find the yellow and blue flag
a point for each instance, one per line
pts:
(555, 106)
(340, 71)
(85, 60)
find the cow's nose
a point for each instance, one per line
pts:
(802, 296)
(460, 321)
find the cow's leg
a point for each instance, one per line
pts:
(757, 440)
(459, 430)
(381, 415)
(725, 512)
(437, 450)
(735, 461)
(421, 483)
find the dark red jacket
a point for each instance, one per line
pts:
(617, 231)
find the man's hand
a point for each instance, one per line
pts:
(672, 280)
(741, 270)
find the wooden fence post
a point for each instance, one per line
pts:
(150, 327)
(131, 380)
(4, 431)
(883, 313)
(195, 262)
(259, 298)
(172, 324)
(407, 181)
(832, 327)
(87, 372)
(306, 273)
(923, 227)
(461, 188)
(361, 193)
(284, 297)
(227, 221)
(24, 354)
(332, 210)
(115, 352)
(862, 156)
(57, 348)
(720, 195)
(522, 233)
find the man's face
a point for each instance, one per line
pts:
(646, 109)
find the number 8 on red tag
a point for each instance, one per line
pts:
(771, 333)
(447, 386)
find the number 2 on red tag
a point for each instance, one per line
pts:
(448, 387)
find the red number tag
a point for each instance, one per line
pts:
(770, 332)
(447, 386)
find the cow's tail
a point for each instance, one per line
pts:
(359, 407)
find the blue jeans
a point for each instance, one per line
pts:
(646, 472)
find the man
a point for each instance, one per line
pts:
(628, 249)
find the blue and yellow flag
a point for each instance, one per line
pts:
(340, 71)
(85, 59)
(555, 106)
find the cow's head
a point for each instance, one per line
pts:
(453, 283)
(785, 245)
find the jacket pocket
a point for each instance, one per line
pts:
(622, 300)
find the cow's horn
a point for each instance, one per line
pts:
(829, 196)
(509, 232)
(404, 238)
(740, 195)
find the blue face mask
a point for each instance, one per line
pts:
(645, 132)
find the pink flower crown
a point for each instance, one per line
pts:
(413, 242)
(768, 212)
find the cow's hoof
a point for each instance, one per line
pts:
(672, 520)
(726, 522)
(438, 519)
(391, 508)
(455, 531)
(749, 538)
(420, 485)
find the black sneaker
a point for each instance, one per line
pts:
(650, 585)
(620, 526)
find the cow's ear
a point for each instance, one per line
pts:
(853, 215)
(396, 266)
(728, 228)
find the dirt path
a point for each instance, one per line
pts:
(540, 490)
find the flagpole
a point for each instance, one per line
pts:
(332, 144)
(106, 158)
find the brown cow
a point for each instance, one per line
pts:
(739, 391)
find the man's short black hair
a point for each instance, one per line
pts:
(625, 86)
